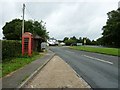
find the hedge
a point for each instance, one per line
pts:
(10, 49)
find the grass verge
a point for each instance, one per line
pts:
(16, 63)
(108, 51)
(0, 69)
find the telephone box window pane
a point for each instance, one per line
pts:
(26, 40)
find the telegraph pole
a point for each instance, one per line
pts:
(23, 18)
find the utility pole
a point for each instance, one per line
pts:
(23, 18)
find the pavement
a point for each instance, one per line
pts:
(15, 79)
(57, 74)
(98, 70)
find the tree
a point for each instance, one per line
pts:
(29, 26)
(39, 29)
(12, 29)
(74, 38)
(111, 30)
(69, 42)
(99, 41)
(93, 42)
(88, 41)
(66, 38)
(80, 40)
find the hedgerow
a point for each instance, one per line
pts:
(10, 49)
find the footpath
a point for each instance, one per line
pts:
(57, 74)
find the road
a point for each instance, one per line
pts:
(98, 70)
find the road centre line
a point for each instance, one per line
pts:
(98, 59)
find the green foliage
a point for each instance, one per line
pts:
(111, 30)
(80, 40)
(39, 29)
(65, 39)
(74, 40)
(13, 29)
(69, 42)
(88, 41)
(93, 42)
(18, 62)
(99, 41)
(10, 49)
(0, 69)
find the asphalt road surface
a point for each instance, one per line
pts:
(98, 70)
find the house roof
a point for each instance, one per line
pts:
(37, 37)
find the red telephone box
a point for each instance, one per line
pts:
(27, 43)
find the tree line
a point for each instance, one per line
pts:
(73, 41)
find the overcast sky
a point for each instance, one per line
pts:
(80, 18)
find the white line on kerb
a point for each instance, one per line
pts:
(98, 59)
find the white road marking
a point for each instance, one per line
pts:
(98, 59)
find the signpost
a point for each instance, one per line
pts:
(84, 41)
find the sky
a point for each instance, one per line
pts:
(64, 18)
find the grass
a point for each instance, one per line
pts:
(0, 69)
(16, 63)
(108, 51)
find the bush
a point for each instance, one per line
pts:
(10, 49)
(69, 42)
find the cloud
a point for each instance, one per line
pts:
(64, 18)
(78, 19)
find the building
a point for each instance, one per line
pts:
(52, 42)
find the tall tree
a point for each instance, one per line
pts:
(80, 40)
(88, 41)
(12, 30)
(111, 31)
(66, 38)
(74, 39)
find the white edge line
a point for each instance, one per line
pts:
(98, 59)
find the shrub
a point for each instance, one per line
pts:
(10, 49)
